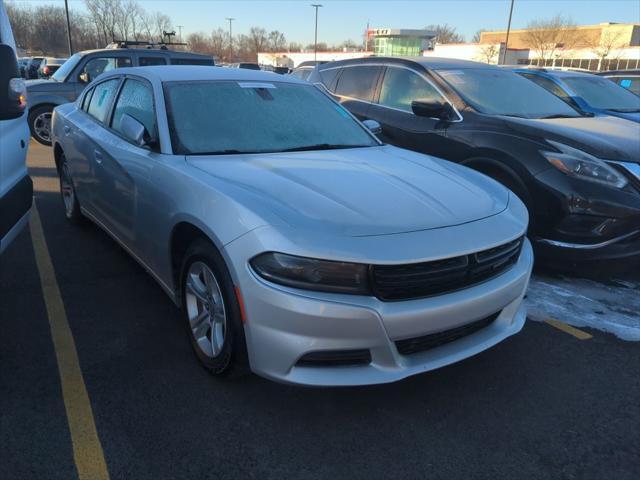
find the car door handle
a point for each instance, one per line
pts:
(67, 130)
(98, 156)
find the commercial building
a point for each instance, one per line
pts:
(393, 42)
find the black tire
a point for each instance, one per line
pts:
(35, 124)
(232, 360)
(68, 195)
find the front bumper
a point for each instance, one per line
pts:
(15, 205)
(580, 222)
(285, 324)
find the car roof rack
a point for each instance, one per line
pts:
(116, 44)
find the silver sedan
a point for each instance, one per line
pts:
(297, 245)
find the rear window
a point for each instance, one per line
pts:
(151, 61)
(102, 98)
(192, 61)
(358, 82)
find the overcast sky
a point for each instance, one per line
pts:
(347, 19)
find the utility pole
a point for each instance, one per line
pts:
(66, 8)
(315, 43)
(506, 41)
(180, 32)
(230, 19)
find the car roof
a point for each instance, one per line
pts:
(142, 51)
(556, 73)
(178, 73)
(426, 62)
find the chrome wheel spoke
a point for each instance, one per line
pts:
(205, 309)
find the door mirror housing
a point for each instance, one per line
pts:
(135, 131)
(84, 77)
(13, 91)
(433, 109)
(373, 126)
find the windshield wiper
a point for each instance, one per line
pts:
(321, 146)
(558, 115)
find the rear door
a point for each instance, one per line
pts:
(356, 87)
(400, 126)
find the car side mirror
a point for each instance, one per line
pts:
(431, 109)
(84, 77)
(13, 92)
(373, 126)
(133, 130)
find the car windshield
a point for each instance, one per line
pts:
(224, 117)
(604, 94)
(66, 68)
(502, 92)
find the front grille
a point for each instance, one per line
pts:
(419, 280)
(433, 340)
(335, 358)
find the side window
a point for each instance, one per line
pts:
(150, 61)
(358, 82)
(629, 83)
(401, 86)
(86, 99)
(328, 76)
(102, 98)
(98, 65)
(192, 61)
(136, 100)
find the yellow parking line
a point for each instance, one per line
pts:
(87, 451)
(579, 334)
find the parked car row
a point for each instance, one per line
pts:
(375, 242)
(578, 174)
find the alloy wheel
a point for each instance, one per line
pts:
(205, 309)
(42, 126)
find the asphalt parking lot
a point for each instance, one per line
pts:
(549, 403)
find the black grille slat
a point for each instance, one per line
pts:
(423, 343)
(402, 282)
(335, 358)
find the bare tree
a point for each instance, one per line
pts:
(104, 14)
(477, 36)
(277, 41)
(546, 37)
(162, 24)
(488, 53)
(608, 42)
(258, 40)
(445, 33)
(295, 47)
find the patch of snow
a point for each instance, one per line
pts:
(612, 307)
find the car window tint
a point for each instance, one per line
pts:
(401, 86)
(86, 99)
(102, 98)
(150, 61)
(328, 76)
(630, 83)
(136, 100)
(358, 82)
(96, 66)
(192, 61)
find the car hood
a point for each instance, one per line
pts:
(359, 191)
(633, 116)
(44, 85)
(610, 138)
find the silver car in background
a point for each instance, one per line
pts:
(296, 243)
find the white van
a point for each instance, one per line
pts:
(16, 189)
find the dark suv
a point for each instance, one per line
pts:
(579, 175)
(66, 84)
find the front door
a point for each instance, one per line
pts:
(400, 126)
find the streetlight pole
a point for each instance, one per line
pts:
(66, 8)
(506, 41)
(180, 32)
(230, 19)
(315, 43)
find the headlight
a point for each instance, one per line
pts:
(577, 163)
(313, 274)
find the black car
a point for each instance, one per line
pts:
(578, 175)
(68, 82)
(629, 79)
(31, 70)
